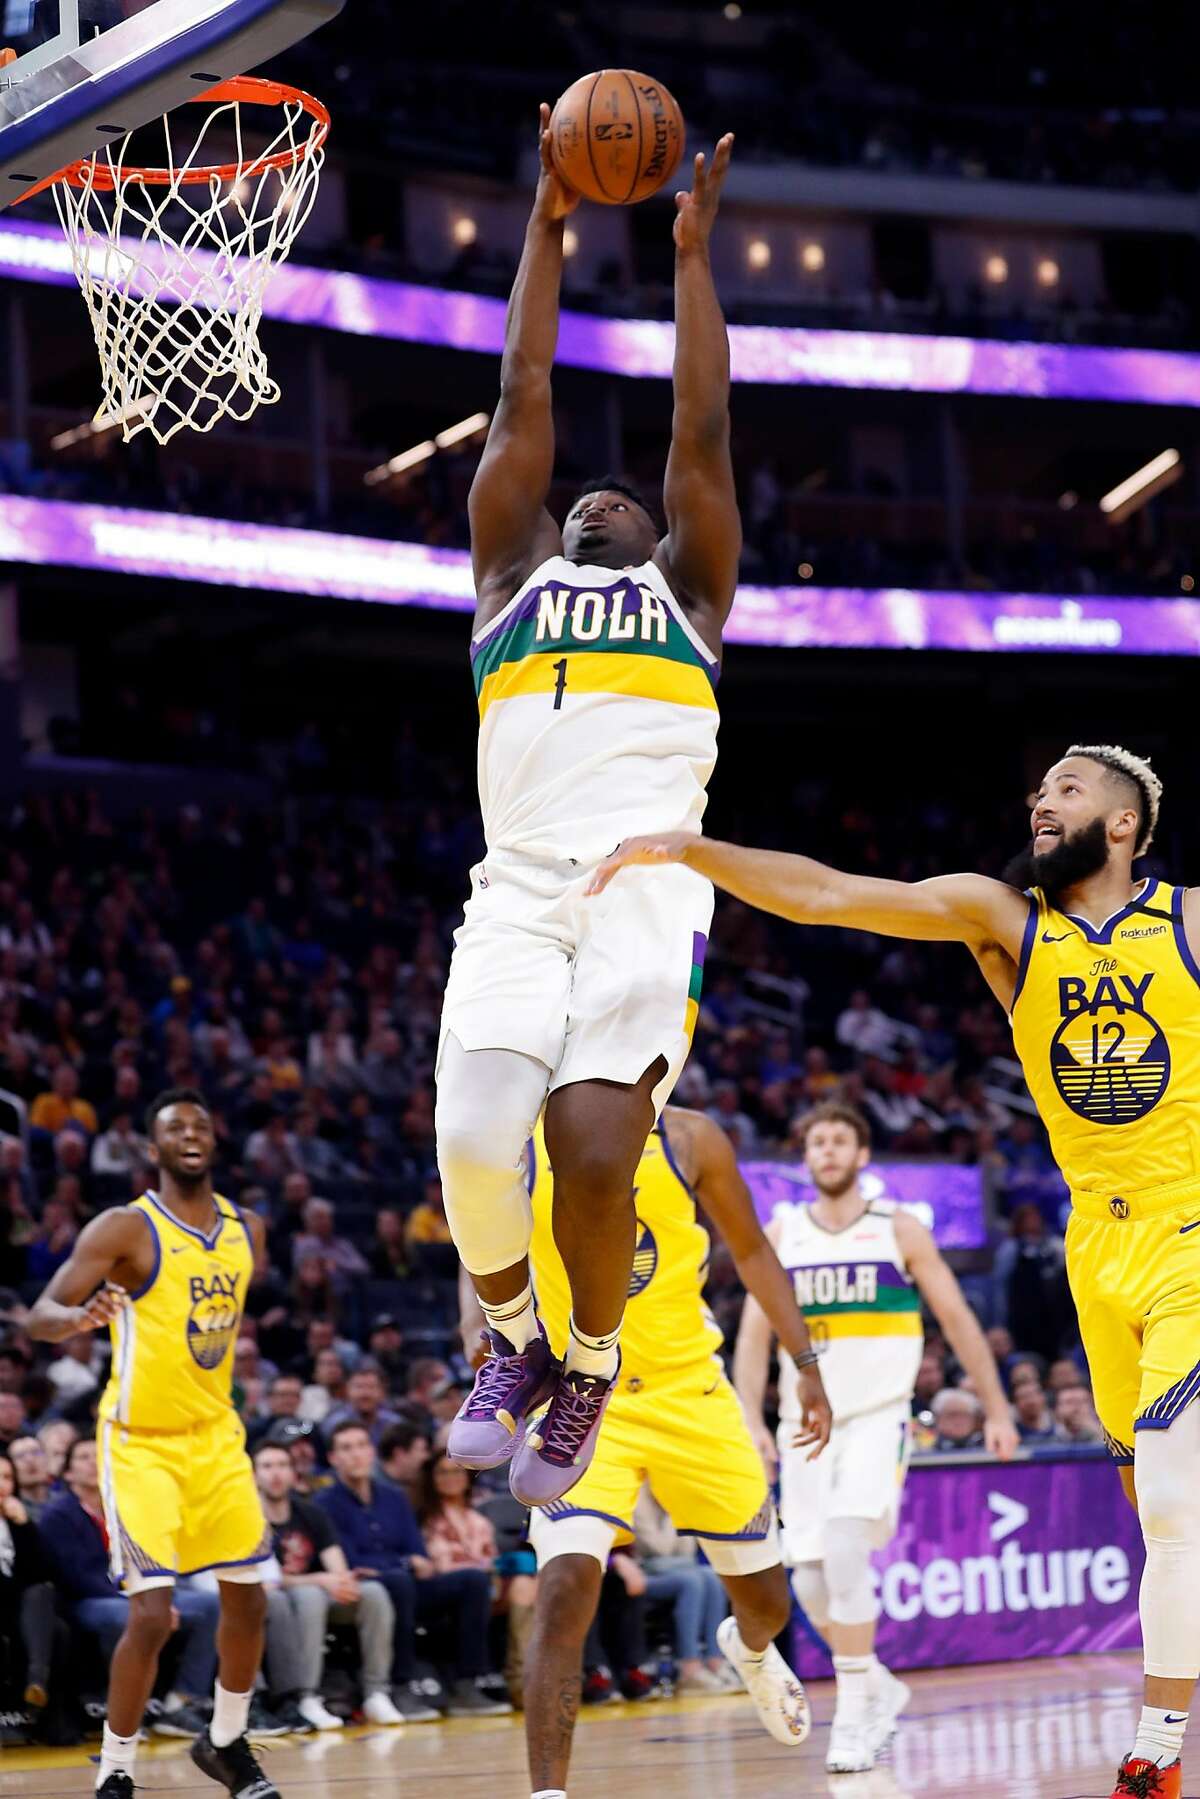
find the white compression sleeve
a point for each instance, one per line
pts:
(488, 1102)
(1166, 1470)
(848, 1571)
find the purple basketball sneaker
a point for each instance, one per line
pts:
(558, 1448)
(490, 1425)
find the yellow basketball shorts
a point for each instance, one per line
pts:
(180, 1502)
(685, 1434)
(1134, 1269)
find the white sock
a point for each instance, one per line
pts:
(515, 1319)
(1159, 1736)
(592, 1355)
(117, 1755)
(231, 1713)
(853, 1673)
(551, 1793)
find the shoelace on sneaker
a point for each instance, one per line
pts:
(246, 1766)
(494, 1382)
(1144, 1784)
(572, 1414)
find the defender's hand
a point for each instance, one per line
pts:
(673, 846)
(554, 198)
(817, 1418)
(695, 212)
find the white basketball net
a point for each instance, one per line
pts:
(174, 275)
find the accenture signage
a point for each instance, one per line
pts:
(995, 1564)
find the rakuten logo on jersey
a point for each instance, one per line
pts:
(1009, 1581)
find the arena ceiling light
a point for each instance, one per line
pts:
(1136, 489)
(445, 440)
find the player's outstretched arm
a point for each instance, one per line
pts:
(722, 1192)
(944, 1297)
(962, 908)
(83, 1295)
(704, 533)
(511, 530)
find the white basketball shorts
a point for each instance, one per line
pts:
(859, 1475)
(597, 989)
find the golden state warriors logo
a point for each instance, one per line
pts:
(645, 1260)
(213, 1319)
(1110, 1059)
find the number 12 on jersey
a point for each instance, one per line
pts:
(560, 686)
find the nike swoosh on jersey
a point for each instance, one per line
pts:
(1185, 1228)
(177, 1249)
(1047, 938)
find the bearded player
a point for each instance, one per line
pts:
(674, 1422)
(169, 1275)
(1098, 972)
(595, 655)
(861, 1267)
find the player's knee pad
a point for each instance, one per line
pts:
(487, 1105)
(1167, 1473)
(812, 1594)
(848, 1571)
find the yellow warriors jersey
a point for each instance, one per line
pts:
(597, 712)
(667, 1324)
(172, 1362)
(1106, 1022)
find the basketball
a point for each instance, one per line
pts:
(616, 136)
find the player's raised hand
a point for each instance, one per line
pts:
(815, 1414)
(102, 1307)
(554, 198)
(695, 212)
(671, 846)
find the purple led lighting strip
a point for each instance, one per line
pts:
(368, 307)
(274, 559)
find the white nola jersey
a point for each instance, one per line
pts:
(597, 712)
(861, 1305)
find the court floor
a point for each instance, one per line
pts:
(1037, 1730)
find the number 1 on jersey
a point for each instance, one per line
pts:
(560, 687)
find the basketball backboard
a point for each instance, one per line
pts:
(87, 71)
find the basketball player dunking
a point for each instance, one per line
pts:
(169, 1275)
(1099, 974)
(595, 654)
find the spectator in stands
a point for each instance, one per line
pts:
(73, 1533)
(332, 1060)
(737, 1124)
(54, 1110)
(271, 1152)
(863, 1028)
(958, 1416)
(79, 1367)
(1075, 1419)
(327, 1388)
(283, 1396)
(617, 1637)
(1034, 1421)
(312, 1294)
(692, 1589)
(31, 1466)
(316, 1590)
(365, 1404)
(931, 1377)
(388, 1254)
(120, 1150)
(14, 1368)
(14, 1421)
(457, 1535)
(317, 1157)
(50, 1242)
(427, 1223)
(340, 1259)
(1065, 1372)
(385, 1346)
(1030, 1284)
(378, 1530)
(300, 1439)
(404, 1451)
(426, 1376)
(56, 1437)
(26, 1595)
(385, 1074)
